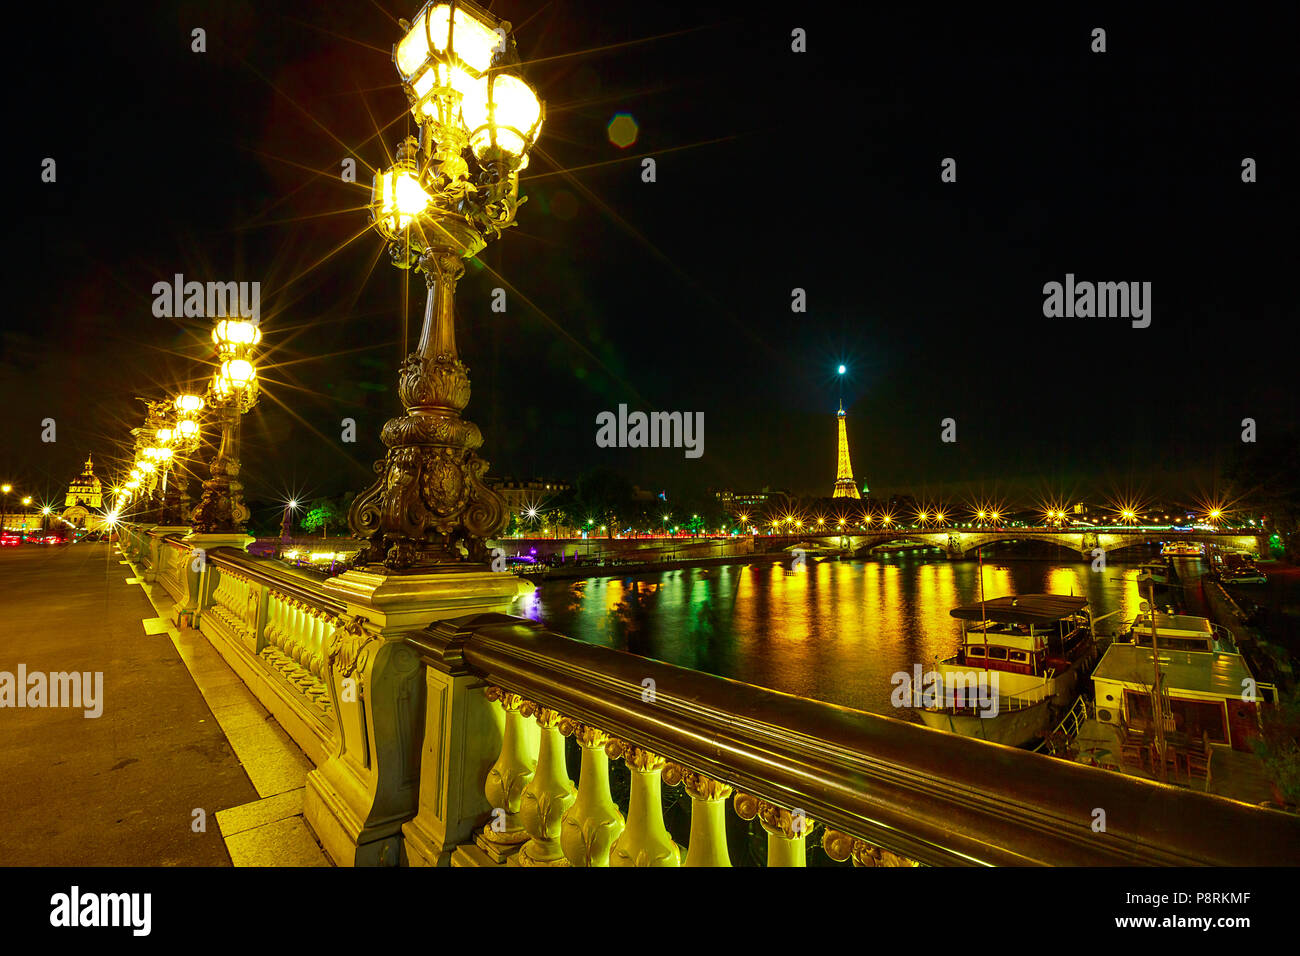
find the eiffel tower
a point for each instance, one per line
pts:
(844, 484)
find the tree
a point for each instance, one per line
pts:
(1279, 745)
(1269, 475)
(326, 512)
(606, 498)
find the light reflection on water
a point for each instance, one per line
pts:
(833, 631)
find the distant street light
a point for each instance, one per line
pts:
(286, 524)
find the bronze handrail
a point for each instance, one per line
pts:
(267, 572)
(933, 797)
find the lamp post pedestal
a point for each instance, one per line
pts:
(155, 545)
(174, 503)
(357, 801)
(198, 584)
(221, 509)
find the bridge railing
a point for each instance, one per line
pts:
(273, 627)
(875, 789)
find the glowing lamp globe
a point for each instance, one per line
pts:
(236, 375)
(510, 118)
(230, 334)
(397, 198)
(469, 40)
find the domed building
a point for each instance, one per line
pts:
(84, 493)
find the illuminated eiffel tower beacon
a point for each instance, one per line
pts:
(844, 484)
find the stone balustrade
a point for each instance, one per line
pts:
(873, 790)
(274, 627)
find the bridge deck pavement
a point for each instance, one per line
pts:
(121, 789)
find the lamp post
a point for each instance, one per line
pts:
(233, 391)
(155, 450)
(448, 193)
(144, 472)
(181, 438)
(4, 505)
(427, 517)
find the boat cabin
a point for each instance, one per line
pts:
(1032, 634)
(1181, 632)
(1204, 689)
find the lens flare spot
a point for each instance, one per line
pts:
(623, 130)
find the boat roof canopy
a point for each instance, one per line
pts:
(1022, 609)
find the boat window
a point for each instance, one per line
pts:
(1171, 643)
(975, 651)
(998, 653)
(1019, 656)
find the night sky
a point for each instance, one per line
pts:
(775, 171)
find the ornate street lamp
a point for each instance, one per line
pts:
(180, 439)
(153, 457)
(447, 194)
(232, 392)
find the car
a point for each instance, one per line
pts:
(10, 540)
(53, 539)
(1243, 576)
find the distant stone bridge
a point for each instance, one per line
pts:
(963, 542)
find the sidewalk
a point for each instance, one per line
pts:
(123, 789)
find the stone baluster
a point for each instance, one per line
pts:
(645, 841)
(302, 652)
(291, 637)
(506, 782)
(592, 823)
(548, 795)
(787, 830)
(708, 841)
(274, 620)
(840, 846)
(312, 660)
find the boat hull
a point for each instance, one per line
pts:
(1014, 728)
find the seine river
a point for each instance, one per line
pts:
(834, 630)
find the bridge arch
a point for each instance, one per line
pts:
(1065, 541)
(917, 541)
